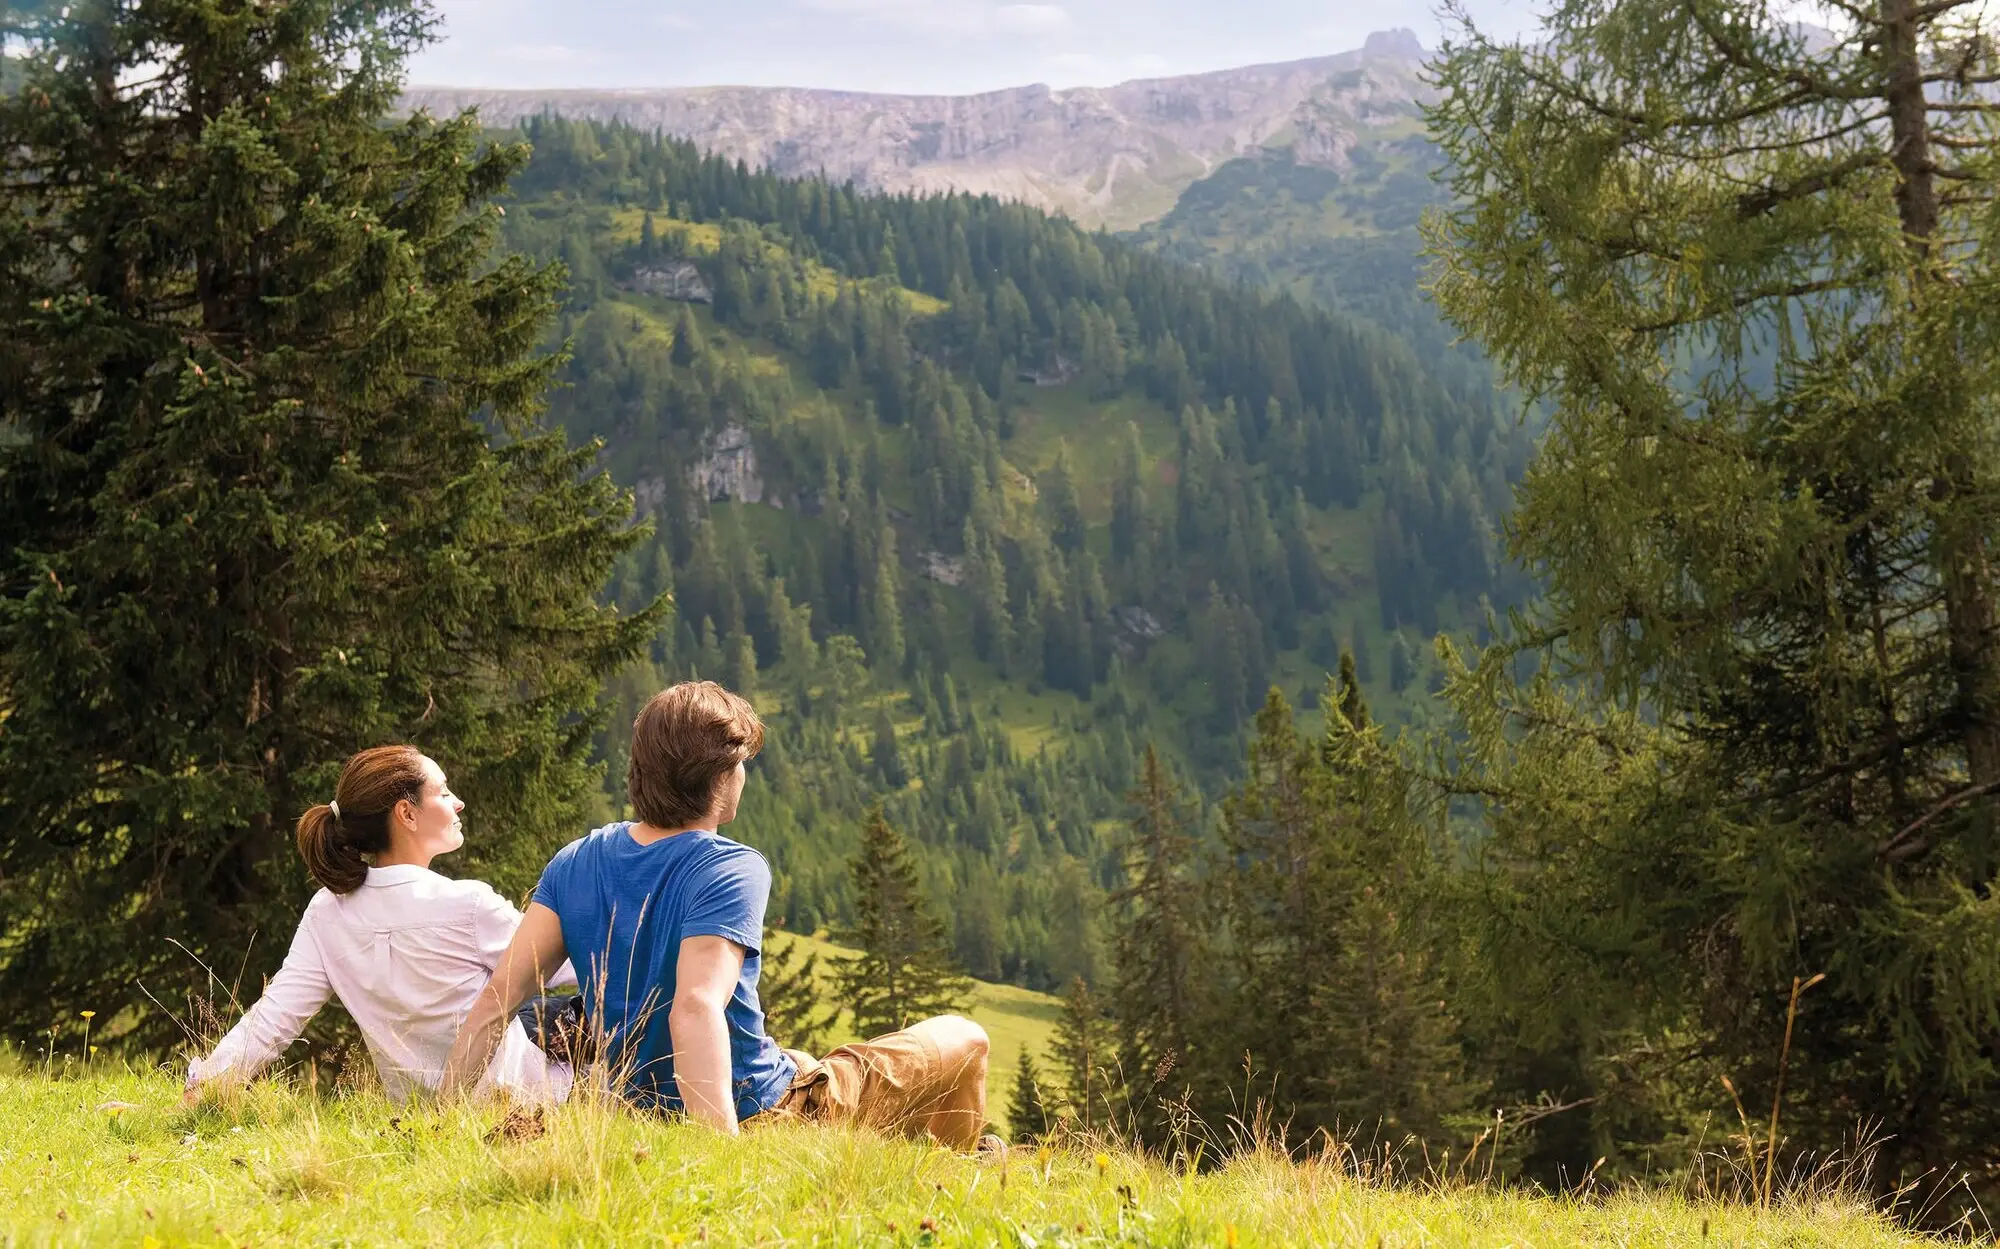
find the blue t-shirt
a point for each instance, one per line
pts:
(625, 909)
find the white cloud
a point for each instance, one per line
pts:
(1149, 65)
(1029, 19)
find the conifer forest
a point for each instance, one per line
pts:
(1558, 721)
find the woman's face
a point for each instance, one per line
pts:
(430, 824)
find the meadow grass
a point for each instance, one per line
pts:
(277, 1165)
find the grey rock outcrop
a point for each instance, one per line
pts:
(677, 279)
(728, 471)
(941, 568)
(1114, 156)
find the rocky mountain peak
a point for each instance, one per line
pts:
(1113, 156)
(1401, 42)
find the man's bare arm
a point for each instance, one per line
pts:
(534, 955)
(705, 975)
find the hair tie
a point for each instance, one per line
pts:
(334, 807)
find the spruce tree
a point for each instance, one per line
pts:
(1157, 998)
(904, 972)
(687, 346)
(1085, 1051)
(1029, 1114)
(1353, 702)
(1393, 1067)
(886, 752)
(796, 1013)
(1128, 499)
(1293, 875)
(272, 487)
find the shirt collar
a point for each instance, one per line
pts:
(396, 874)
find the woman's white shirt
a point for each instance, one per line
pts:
(406, 954)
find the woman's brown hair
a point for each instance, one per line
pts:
(683, 740)
(333, 837)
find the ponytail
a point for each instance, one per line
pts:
(333, 860)
(334, 837)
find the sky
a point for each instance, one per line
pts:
(925, 46)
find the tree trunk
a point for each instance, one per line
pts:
(1959, 549)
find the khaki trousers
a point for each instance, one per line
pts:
(927, 1080)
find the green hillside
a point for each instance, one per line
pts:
(1016, 1020)
(1344, 239)
(978, 505)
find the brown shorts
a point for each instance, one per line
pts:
(905, 1082)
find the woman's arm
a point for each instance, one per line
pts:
(705, 975)
(536, 950)
(277, 1018)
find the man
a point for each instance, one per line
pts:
(663, 918)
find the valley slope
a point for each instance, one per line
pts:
(980, 506)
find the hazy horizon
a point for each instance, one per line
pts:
(928, 47)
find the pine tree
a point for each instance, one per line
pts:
(272, 487)
(886, 752)
(1128, 498)
(796, 1012)
(1159, 945)
(1085, 1049)
(1353, 702)
(739, 667)
(1392, 1065)
(1057, 498)
(687, 346)
(904, 972)
(1292, 880)
(885, 611)
(1028, 1111)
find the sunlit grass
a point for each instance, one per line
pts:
(279, 1166)
(1016, 1020)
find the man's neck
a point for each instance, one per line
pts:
(646, 834)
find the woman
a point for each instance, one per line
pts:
(404, 949)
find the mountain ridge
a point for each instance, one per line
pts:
(1115, 157)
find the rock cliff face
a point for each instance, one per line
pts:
(1113, 156)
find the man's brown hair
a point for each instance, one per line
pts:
(684, 739)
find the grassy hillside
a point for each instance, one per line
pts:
(1017, 1020)
(286, 1168)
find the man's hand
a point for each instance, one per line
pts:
(533, 955)
(705, 975)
